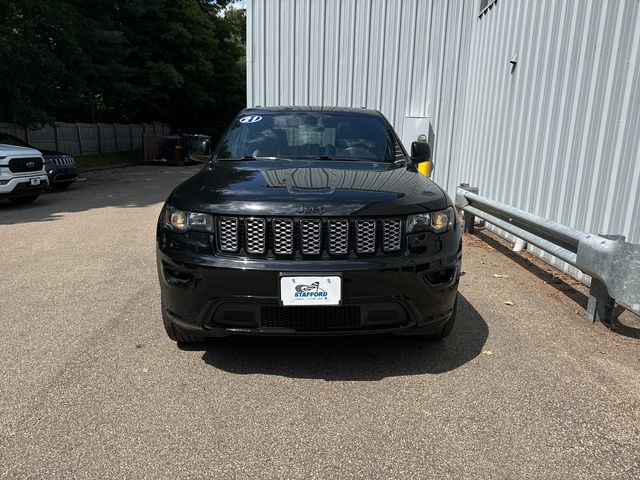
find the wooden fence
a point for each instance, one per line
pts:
(87, 138)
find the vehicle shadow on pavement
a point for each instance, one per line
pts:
(130, 187)
(556, 281)
(354, 358)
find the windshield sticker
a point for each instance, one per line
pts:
(251, 119)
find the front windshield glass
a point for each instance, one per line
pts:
(11, 140)
(316, 135)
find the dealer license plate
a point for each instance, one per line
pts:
(310, 290)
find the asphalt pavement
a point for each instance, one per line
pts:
(91, 387)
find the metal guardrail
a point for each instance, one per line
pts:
(612, 263)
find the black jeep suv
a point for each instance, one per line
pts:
(309, 221)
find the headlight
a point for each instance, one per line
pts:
(181, 220)
(438, 222)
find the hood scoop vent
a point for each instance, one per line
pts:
(313, 191)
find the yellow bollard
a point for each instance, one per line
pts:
(425, 168)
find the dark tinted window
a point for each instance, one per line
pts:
(310, 135)
(11, 140)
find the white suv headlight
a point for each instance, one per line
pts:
(181, 220)
(437, 222)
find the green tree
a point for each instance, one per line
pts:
(177, 61)
(38, 51)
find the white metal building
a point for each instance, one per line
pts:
(536, 102)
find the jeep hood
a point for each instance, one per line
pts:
(308, 188)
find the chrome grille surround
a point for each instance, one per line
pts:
(338, 236)
(310, 236)
(282, 231)
(228, 234)
(366, 235)
(391, 234)
(255, 234)
(61, 161)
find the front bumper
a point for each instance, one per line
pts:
(405, 295)
(19, 185)
(62, 174)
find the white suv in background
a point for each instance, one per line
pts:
(22, 173)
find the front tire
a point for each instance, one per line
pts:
(25, 199)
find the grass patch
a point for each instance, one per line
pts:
(113, 159)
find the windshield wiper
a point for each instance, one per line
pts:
(235, 159)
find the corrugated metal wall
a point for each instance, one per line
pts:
(380, 54)
(559, 136)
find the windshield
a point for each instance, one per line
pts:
(7, 139)
(323, 135)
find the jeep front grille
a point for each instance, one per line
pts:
(62, 161)
(365, 236)
(256, 235)
(391, 231)
(228, 234)
(337, 237)
(283, 236)
(310, 236)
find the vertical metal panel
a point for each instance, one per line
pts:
(360, 53)
(559, 136)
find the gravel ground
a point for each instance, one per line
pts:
(92, 388)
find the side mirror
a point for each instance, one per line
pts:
(420, 152)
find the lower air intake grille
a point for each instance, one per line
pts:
(311, 318)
